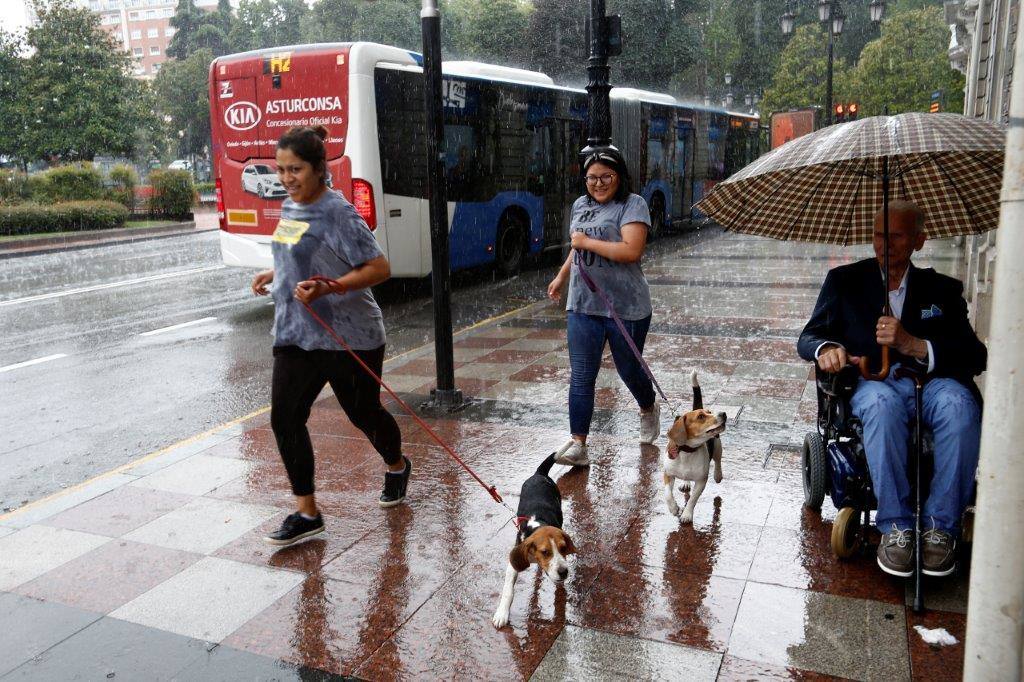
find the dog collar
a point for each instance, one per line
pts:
(686, 448)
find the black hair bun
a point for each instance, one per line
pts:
(321, 132)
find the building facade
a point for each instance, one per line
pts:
(982, 47)
(142, 27)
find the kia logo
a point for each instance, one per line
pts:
(242, 116)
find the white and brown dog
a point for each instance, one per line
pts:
(693, 443)
(540, 540)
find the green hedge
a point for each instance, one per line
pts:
(14, 187)
(124, 179)
(70, 216)
(206, 187)
(78, 182)
(173, 193)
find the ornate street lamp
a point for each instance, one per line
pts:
(728, 78)
(838, 19)
(877, 8)
(748, 100)
(786, 21)
(824, 10)
(728, 100)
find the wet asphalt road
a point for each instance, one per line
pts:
(121, 391)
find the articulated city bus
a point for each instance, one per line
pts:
(511, 150)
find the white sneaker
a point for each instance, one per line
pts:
(573, 454)
(650, 424)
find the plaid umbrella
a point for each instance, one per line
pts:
(827, 186)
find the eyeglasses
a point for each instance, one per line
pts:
(600, 179)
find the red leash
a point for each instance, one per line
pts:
(409, 410)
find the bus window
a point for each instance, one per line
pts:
(539, 167)
(402, 135)
(655, 159)
(460, 161)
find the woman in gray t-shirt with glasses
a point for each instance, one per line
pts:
(609, 232)
(320, 233)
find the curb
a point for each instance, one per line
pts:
(31, 246)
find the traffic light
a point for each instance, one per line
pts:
(846, 112)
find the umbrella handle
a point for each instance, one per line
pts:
(883, 371)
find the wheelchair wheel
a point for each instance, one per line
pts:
(815, 474)
(846, 533)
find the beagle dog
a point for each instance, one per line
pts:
(540, 540)
(693, 442)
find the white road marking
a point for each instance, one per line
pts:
(37, 361)
(177, 326)
(111, 285)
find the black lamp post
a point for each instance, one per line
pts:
(605, 41)
(445, 397)
(830, 13)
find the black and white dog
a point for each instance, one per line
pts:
(540, 540)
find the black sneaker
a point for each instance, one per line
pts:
(295, 527)
(394, 486)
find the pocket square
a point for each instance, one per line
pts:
(929, 313)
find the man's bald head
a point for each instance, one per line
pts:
(901, 207)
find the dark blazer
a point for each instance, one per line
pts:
(850, 304)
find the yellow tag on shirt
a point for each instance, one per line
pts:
(290, 231)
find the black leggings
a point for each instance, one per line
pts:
(299, 376)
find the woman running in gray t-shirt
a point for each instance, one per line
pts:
(320, 233)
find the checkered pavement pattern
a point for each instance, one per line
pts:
(160, 570)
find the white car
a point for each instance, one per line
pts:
(180, 164)
(261, 179)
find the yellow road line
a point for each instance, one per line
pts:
(221, 427)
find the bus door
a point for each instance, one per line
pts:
(682, 178)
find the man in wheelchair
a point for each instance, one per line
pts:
(929, 332)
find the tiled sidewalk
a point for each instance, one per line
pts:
(159, 572)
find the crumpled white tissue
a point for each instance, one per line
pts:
(936, 637)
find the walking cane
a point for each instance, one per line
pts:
(918, 380)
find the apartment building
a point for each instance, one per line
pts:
(142, 27)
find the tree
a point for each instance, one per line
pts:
(654, 47)
(491, 30)
(800, 78)
(196, 29)
(181, 88)
(556, 39)
(906, 64)
(331, 21)
(391, 22)
(77, 92)
(268, 23)
(12, 114)
(150, 134)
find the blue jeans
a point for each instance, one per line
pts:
(587, 337)
(887, 409)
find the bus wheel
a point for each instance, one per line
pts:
(511, 247)
(657, 217)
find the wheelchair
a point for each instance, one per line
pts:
(834, 463)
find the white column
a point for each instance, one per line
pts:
(995, 609)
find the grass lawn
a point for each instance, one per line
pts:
(129, 225)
